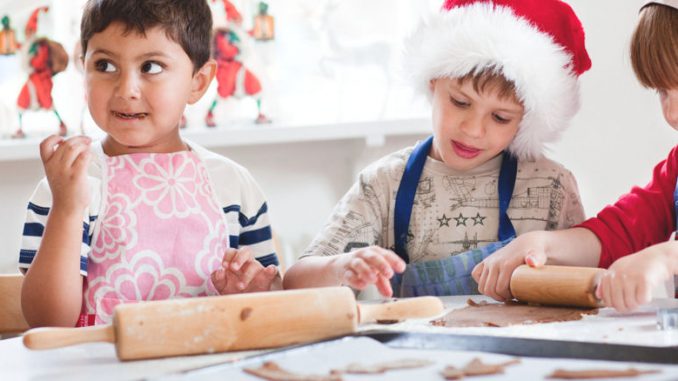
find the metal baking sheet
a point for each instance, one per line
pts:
(607, 327)
(321, 358)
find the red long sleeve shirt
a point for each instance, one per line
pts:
(641, 218)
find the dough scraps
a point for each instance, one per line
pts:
(383, 367)
(588, 374)
(476, 367)
(271, 371)
(484, 314)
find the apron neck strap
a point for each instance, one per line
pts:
(408, 188)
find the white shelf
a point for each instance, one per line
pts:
(373, 132)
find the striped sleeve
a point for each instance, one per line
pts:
(252, 230)
(34, 227)
(243, 204)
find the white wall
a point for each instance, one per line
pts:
(614, 142)
(619, 134)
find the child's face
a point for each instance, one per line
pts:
(669, 101)
(138, 87)
(471, 128)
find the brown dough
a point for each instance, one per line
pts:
(476, 367)
(273, 372)
(484, 314)
(383, 367)
(564, 374)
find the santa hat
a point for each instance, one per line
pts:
(536, 44)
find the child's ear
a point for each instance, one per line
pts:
(431, 84)
(201, 80)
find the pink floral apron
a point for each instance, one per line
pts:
(160, 234)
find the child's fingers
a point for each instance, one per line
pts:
(48, 146)
(384, 286)
(219, 279)
(82, 161)
(477, 272)
(69, 150)
(229, 254)
(363, 270)
(483, 280)
(378, 262)
(617, 293)
(353, 280)
(535, 258)
(243, 256)
(247, 273)
(395, 263)
(643, 293)
(491, 283)
(264, 279)
(604, 287)
(629, 294)
(271, 271)
(502, 287)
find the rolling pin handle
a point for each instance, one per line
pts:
(53, 337)
(419, 307)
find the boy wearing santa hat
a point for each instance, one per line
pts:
(502, 77)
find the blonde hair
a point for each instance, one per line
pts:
(654, 47)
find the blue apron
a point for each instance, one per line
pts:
(451, 275)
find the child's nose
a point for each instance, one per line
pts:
(128, 86)
(473, 127)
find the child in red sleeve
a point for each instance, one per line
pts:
(632, 236)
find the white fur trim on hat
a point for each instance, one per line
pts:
(482, 36)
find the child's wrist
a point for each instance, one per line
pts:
(66, 212)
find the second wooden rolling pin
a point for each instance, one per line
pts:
(556, 285)
(232, 323)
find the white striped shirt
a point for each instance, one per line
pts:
(240, 198)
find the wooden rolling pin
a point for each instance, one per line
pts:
(556, 285)
(233, 322)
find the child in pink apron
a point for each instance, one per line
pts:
(143, 215)
(633, 237)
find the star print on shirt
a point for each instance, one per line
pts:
(444, 220)
(478, 219)
(461, 220)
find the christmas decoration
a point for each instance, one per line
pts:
(234, 78)
(264, 24)
(46, 58)
(8, 42)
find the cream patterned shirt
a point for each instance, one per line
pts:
(453, 211)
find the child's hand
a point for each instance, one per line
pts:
(241, 272)
(493, 274)
(370, 265)
(65, 163)
(629, 282)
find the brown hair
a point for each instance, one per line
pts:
(654, 47)
(491, 79)
(186, 22)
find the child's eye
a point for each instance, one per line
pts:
(500, 119)
(151, 67)
(104, 66)
(458, 103)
